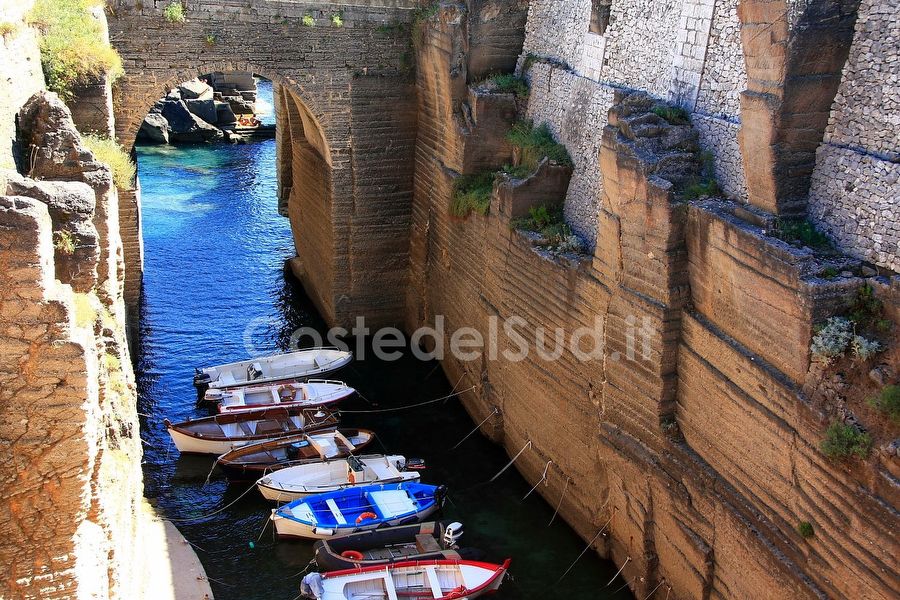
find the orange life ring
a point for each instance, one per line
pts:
(459, 592)
(365, 516)
(352, 554)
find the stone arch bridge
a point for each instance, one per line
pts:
(346, 110)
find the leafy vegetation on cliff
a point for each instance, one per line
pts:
(535, 143)
(555, 234)
(73, 48)
(888, 402)
(843, 441)
(108, 151)
(507, 83)
(472, 193)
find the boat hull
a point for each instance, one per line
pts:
(294, 530)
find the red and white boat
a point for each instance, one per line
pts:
(315, 392)
(419, 580)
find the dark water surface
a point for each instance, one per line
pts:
(215, 248)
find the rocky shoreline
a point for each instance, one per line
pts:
(220, 107)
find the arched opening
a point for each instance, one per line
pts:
(301, 154)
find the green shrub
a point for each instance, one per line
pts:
(673, 114)
(801, 231)
(828, 273)
(701, 188)
(556, 235)
(508, 83)
(520, 172)
(805, 529)
(210, 39)
(472, 193)
(108, 151)
(63, 242)
(888, 402)
(843, 441)
(174, 12)
(337, 20)
(535, 143)
(73, 50)
(308, 21)
(864, 349)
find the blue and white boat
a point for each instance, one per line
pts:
(357, 509)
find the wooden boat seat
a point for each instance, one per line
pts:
(245, 428)
(335, 511)
(268, 427)
(426, 543)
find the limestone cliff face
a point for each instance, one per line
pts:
(699, 457)
(71, 470)
(70, 478)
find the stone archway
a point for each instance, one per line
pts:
(346, 150)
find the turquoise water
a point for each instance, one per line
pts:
(215, 248)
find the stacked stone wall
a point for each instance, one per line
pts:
(856, 184)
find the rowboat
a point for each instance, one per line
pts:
(250, 462)
(357, 509)
(315, 392)
(421, 541)
(287, 366)
(428, 580)
(300, 481)
(222, 433)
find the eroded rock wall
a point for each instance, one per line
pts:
(71, 477)
(692, 450)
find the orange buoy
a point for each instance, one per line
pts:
(352, 554)
(365, 516)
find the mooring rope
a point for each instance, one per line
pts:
(619, 571)
(410, 406)
(586, 548)
(477, 427)
(510, 463)
(215, 512)
(647, 597)
(543, 478)
(559, 504)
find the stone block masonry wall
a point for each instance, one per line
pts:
(855, 192)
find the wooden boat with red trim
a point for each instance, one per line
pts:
(221, 433)
(419, 580)
(252, 461)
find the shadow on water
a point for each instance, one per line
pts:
(213, 279)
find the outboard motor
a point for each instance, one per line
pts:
(440, 495)
(452, 533)
(213, 397)
(201, 382)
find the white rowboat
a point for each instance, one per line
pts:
(287, 485)
(315, 392)
(422, 580)
(276, 367)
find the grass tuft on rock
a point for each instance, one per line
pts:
(472, 193)
(508, 83)
(73, 50)
(801, 232)
(888, 402)
(108, 151)
(805, 529)
(556, 234)
(675, 115)
(843, 441)
(535, 143)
